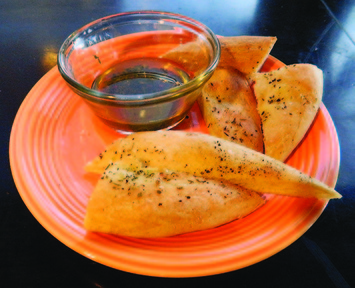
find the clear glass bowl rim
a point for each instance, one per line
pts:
(162, 96)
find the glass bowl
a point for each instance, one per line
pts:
(140, 70)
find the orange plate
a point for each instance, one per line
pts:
(55, 134)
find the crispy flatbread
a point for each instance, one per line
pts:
(228, 107)
(210, 157)
(245, 53)
(147, 204)
(228, 104)
(288, 101)
(160, 184)
(192, 56)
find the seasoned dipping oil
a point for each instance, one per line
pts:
(141, 76)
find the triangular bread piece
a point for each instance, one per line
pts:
(210, 157)
(245, 53)
(288, 101)
(147, 204)
(192, 57)
(228, 107)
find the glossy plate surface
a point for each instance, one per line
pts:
(55, 134)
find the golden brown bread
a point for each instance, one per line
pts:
(149, 204)
(245, 53)
(228, 106)
(288, 101)
(212, 158)
(159, 184)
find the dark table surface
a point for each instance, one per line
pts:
(321, 32)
